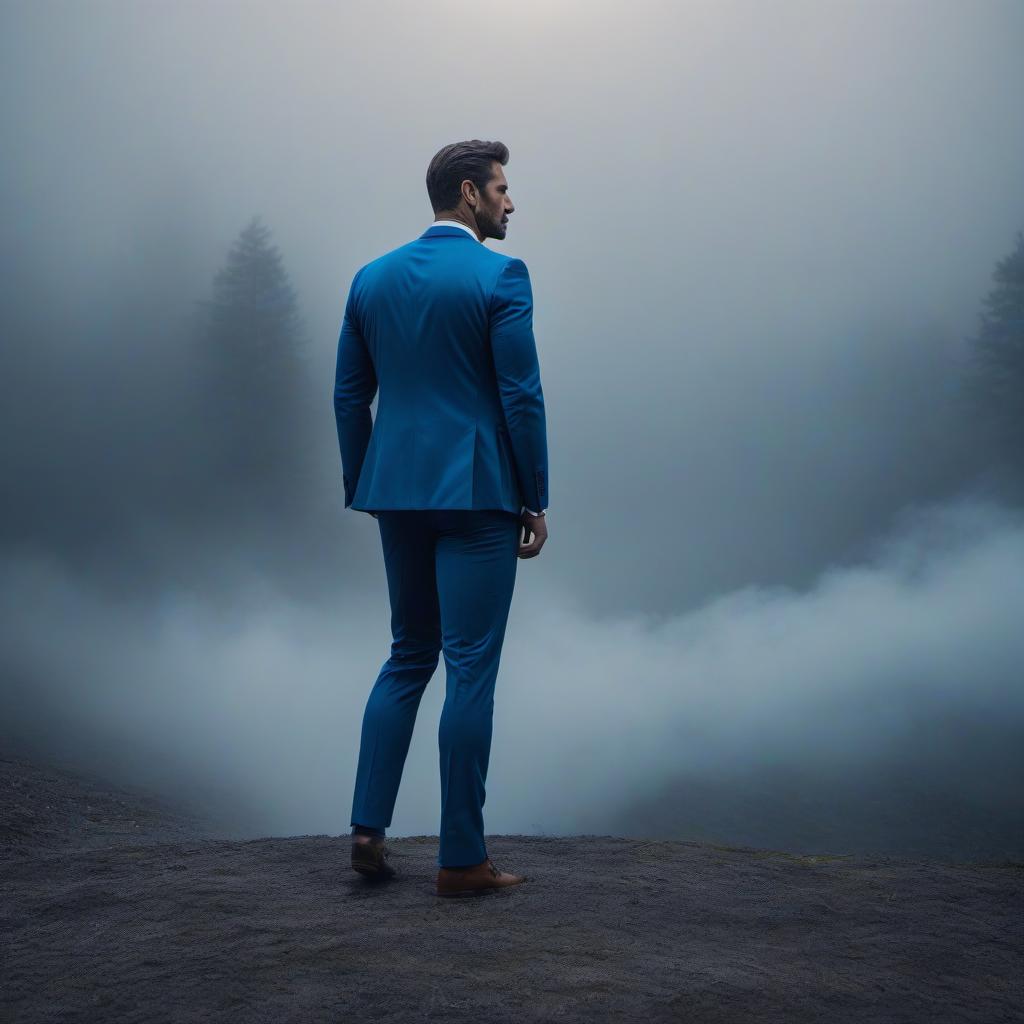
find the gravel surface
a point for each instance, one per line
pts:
(117, 906)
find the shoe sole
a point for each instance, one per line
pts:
(483, 891)
(368, 871)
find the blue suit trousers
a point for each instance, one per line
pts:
(450, 573)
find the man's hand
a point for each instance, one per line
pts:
(535, 527)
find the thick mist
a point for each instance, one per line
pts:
(780, 599)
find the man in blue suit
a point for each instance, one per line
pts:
(454, 469)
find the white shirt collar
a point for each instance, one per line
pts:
(457, 224)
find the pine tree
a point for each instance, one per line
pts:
(995, 379)
(253, 385)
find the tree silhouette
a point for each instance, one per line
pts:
(253, 390)
(995, 375)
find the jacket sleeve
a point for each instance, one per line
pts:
(522, 398)
(355, 384)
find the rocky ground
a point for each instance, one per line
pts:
(119, 907)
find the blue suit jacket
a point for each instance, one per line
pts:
(443, 326)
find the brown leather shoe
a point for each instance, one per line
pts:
(370, 857)
(474, 881)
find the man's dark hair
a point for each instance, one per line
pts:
(456, 162)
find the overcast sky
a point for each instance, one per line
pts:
(758, 236)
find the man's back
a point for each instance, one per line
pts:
(443, 327)
(454, 468)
